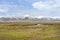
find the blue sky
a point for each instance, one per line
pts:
(10, 8)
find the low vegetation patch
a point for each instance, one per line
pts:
(29, 31)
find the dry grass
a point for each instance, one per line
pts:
(29, 31)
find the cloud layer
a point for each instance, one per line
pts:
(49, 7)
(50, 4)
(30, 7)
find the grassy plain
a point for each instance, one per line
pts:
(29, 31)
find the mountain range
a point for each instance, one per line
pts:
(27, 18)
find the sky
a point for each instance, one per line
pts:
(18, 8)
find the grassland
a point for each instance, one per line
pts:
(29, 31)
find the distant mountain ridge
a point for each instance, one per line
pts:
(17, 19)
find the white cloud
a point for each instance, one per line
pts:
(50, 4)
(3, 8)
(26, 15)
(48, 7)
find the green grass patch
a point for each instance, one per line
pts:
(52, 38)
